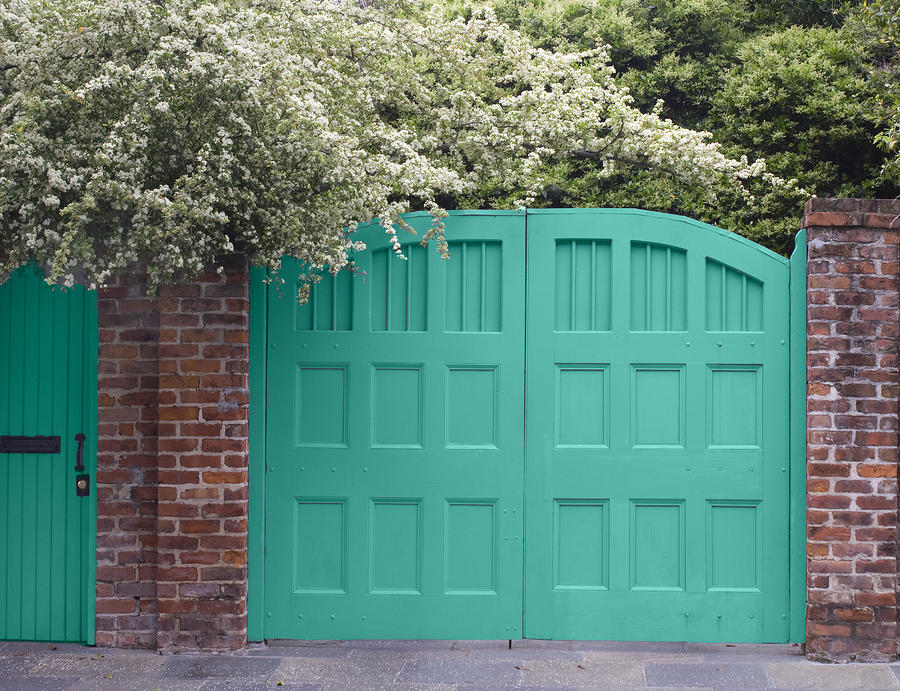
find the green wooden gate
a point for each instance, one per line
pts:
(622, 473)
(48, 365)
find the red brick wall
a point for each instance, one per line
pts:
(202, 499)
(852, 428)
(172, 464)
(128, 371)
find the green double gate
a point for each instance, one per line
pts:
(578, 427)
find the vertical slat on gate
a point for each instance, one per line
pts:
(334, 302)
(30, 466)
(387, 293)
(90, 412)
(59, 485)
(44, 464)
(798, 385)
(5, 464)
(14, 486)
(744, 309)
(572, 287)
(72, 427)
(464, 280)
(259, 297)
(593, 324)
(648, 288)
(669, 289)
(409, 285)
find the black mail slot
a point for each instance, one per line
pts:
(10, 444)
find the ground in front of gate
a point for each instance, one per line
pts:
(436, 665)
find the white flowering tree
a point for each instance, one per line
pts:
(168, 132)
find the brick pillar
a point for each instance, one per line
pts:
(852, 498)
(202, 493)
(126, 466)
(172, 463)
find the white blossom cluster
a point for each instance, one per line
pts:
(169, 133)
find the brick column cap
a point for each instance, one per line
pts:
(824, 212)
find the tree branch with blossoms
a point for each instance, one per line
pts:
(165, 134)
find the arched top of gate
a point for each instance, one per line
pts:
(654, 223)
(664, 219)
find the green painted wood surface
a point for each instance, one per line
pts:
(798, 439)
(48, 353)
(257, 471)
(657, 449)
(655, 428)
(394, 444)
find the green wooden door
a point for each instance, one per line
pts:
(48, 355)
(657, 438)
(653, 412)
(394, 445)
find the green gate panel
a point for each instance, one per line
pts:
(656, 427)
(48, 359)
(394, 446)
(642, 426)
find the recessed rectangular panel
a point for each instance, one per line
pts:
(399, 289)
(657, 545)
(733, 545)
(581, 539)
(329, 307)
(657, 406)
(471, 407)
(397, 414)
(658, 288)
(734, 407)
(395, 548)
(583, 285)
(321, 405)
(319, 546)
(582, 406)
(471, 547)
(473, 292)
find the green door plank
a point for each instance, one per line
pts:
(74, 506)
(798, 439)
(257, 470)
(656, 501)
(44, 343)
(394, 442)
(16, 462)
(5, 479)
(48, 383)
(60, 485)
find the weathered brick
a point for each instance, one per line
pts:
(180, 351)
(852, 417)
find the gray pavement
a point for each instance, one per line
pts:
(435, 666)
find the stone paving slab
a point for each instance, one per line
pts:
(565, 673)
(220, 666)
(465, 670)
(707, 674)
(15, 682)
(434, 666)
(807, 675)
(353, 672)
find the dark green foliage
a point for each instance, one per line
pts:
(808, 88)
